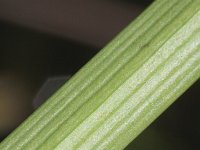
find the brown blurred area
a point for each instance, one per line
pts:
(43, 39)
(90, 21)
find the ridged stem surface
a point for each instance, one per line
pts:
(126, 86)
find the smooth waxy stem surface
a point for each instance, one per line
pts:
(126, 86)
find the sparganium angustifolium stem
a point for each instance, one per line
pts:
(126, 86)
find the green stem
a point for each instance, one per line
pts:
(115, 96)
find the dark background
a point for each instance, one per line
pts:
(41, 40)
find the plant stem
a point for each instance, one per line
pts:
(126, 86)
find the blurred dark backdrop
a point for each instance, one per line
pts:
(39, 40)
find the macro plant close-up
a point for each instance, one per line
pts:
(63, 85)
